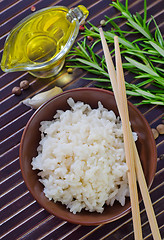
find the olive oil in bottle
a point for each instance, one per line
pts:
(42, 39)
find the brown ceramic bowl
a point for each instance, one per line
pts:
(30, 141)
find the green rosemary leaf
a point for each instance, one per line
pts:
(158, 33)
(125, 43)
(72, 59)
(137, 19)
(140, 29)
(126, 5)
(138, 54)
(92, 54)
(152, 52)
(88, 63)
(121, 32)
(146, 94)
(83, 51)
(155, 102)
(160, 95)
(149, 23)
(131, 93)
(97, 79)
(157, 47)
(157, 91)
(138, 39)
(145, 13)
(112, 19)
(114, 24)
(159, 80)
(119, 6)
(158, 86)
(144, 83)
(141, 66)
(160, 69)
(144, 76)
(97, 72)
(97, 41)
(157, 60)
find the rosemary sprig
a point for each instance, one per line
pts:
(140, 54)
(129, 49)
(140, 24)
(96, 65)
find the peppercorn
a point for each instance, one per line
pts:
(161, 157)
(17, 91)
(69, 70)
(33, 8)
(160, 128)
(81, 28)
(24, 84)
(90, 38)
(155, 133)
(102, 23)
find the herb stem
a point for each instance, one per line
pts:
(141, 55)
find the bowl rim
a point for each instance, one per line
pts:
(126, 211)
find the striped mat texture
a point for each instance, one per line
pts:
(21, 216)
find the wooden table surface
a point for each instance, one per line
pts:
(21, 216)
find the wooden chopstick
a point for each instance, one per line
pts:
(129, 153)
(139, 171)
(145, 195)
(128, 149)
(127, 142)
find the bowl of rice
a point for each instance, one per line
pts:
(72, 156)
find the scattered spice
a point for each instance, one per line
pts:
(33, 8)
(81, 28)
(102, 22)
(70, 70)
(24, 84)
(17, 91)
(155, 133)
(161, 157)
(90, 38)
(160, 128)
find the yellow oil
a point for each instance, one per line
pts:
(39, 39)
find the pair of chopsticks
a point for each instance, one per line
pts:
(131, 153)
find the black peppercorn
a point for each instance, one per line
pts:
(17, 91)
(24, 84)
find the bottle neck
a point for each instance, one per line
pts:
(79, 13)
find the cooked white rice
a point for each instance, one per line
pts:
(81, 158)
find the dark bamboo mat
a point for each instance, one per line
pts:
(21, 216)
